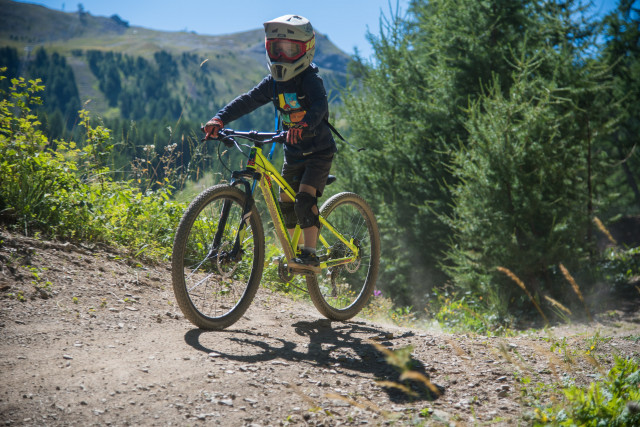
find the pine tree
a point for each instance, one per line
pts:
(622, 53)
(412, 110)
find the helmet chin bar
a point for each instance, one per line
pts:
(282, 72)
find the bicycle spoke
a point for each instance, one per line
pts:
(341, 290)
(214, 280)
(198, 283)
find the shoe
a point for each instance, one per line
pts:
(306, 261)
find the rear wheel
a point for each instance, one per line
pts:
(214, 279)
(340, 292)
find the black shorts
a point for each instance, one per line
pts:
(312, 170)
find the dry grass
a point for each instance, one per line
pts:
(604, 230)
(592, 360)
(558, 305)
(459, 351)
(406, 373)
(366, 405)
(403, 388)
(576, 289)
(552, 361)
(504, 351)
(417, 376)
(519, 282)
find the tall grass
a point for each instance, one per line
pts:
(520, 284)
(576, 289)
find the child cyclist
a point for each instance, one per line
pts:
(298, 93)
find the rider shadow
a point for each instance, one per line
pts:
(332, 347)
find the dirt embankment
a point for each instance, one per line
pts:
(91, 339)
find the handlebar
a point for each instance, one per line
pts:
(254, 136)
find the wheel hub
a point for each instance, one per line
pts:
(226, 262)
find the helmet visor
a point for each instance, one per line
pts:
(287, 50)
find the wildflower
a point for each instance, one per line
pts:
(377, 293)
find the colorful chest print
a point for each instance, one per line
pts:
(290, 108)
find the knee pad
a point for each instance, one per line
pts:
(304, 210)
(289, 214)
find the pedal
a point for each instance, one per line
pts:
(303, 269)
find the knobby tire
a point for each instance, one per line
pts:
(339, 293)
(212, 290)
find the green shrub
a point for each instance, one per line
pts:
(62, 191)
(615, 401)
(464, 313)
(39, 186)
(621, 266)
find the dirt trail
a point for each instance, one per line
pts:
(91, 339)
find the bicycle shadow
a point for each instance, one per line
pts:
(342, 346)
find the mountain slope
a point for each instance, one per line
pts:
(236, 61)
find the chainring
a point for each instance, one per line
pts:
(283, 272)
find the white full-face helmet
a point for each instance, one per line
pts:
(291, 44)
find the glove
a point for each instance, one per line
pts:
(212, 127)
(294, 134)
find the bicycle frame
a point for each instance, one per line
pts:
(264, 174)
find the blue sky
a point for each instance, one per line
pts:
(345, 22)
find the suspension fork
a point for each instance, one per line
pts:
(246, 214)
(237, 178)
(224, 217)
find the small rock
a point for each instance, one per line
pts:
(382, 336)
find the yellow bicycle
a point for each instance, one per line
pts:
(219, 246)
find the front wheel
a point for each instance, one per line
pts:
(218, 258)
(341, 291)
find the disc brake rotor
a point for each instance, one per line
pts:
(354, 265)
(226, 265)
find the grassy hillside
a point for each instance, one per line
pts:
(235, 61)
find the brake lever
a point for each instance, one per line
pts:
(227, 140)
(281, 137)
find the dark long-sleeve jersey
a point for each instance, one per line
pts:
(302, 98)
